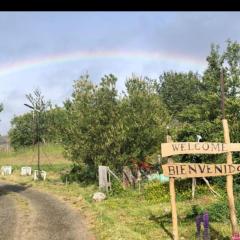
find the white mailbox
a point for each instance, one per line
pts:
(26, 171)
(6, 170)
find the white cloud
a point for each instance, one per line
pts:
(28, 35)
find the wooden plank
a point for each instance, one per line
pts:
(190, 170)
(229, 184)
(128, 178)
(176, 148)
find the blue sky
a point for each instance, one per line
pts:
(184, 36)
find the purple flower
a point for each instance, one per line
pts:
(206, 226)
(198, 225)
(203, 218)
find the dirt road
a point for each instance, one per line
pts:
(29, 214)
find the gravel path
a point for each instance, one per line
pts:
(29, 214)
(7, 217)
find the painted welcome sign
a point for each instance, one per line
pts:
(185, 170)
(176, 148)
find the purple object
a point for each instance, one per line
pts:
(202, 218)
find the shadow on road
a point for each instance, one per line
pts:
(9, 188)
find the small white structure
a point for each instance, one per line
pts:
(26, 171)
(99, 196)
(6, 170)
(43, 175)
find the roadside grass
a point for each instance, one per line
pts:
(127, 216)
(50, 154)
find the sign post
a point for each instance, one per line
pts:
(231, 204)
(173, 198)
(229, 186)
(194, 170)
(183, 170)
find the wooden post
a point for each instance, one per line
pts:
(194, 183)
(173, 199)
(231, 204)
(103, 178)
(229, 184)
(127, 177)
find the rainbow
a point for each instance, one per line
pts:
(43, 61)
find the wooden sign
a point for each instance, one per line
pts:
(176, 148)
(190, 170)
(203, 170)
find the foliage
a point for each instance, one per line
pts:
(145, 118)
(117, 188)
(156, 192)
(220, 216)
(169, 85)
(22, 131)
(78, 174)
(196, 108)
(104, 129)
(93, 131)
(218, 211)
(42, 124)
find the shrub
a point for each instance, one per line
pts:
(79, 174)
(155, 191)
(116, 189)
(218, 212)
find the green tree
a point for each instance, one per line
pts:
(206, 118)
(181, 94)
(29, 128)
(23, 128)
(179, 90)
(93, 130)
(202, 114)
(145, 118)
(22, 131)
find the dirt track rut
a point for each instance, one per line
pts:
(29, 214)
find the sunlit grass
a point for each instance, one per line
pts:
(50, 154)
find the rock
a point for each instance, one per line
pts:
(166, 210)
(99, 196)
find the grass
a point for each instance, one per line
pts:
(50, 154)
(126, 216)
